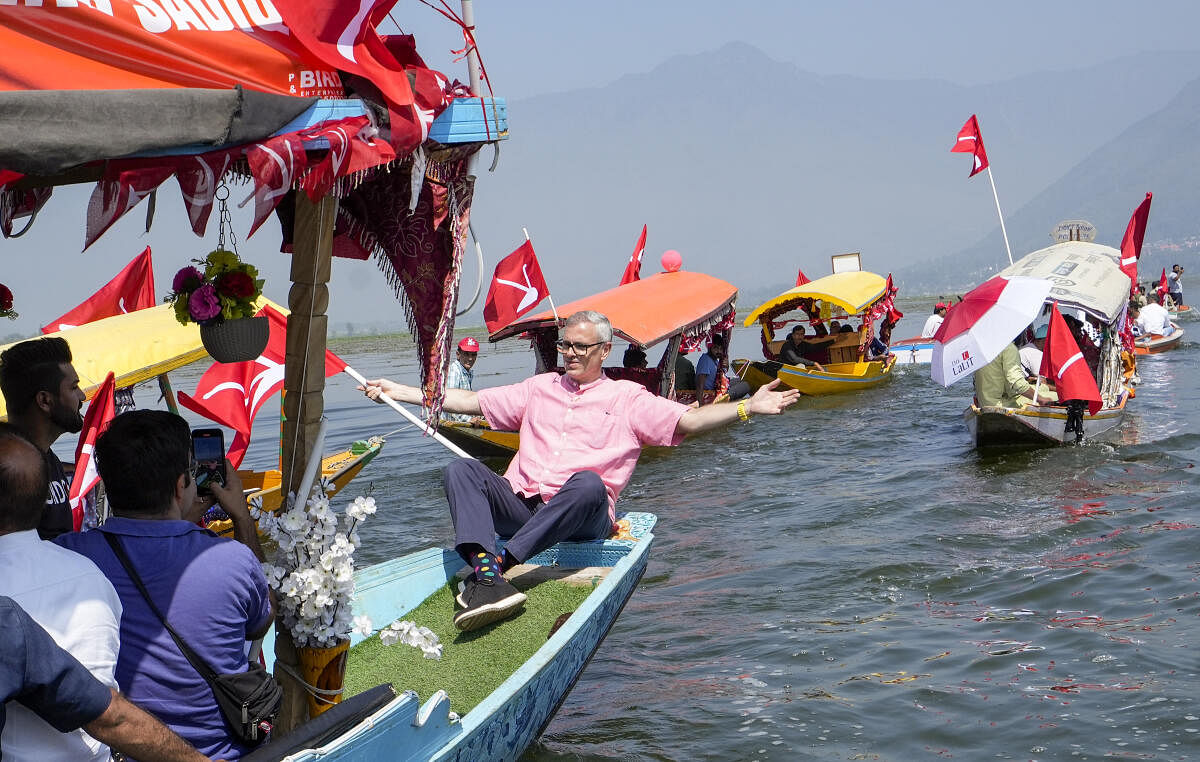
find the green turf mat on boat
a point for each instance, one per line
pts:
(473, 664)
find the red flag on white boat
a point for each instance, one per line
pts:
(517, 287)
(1131, 244)
(232, 393)
(132, 289)
(633, 270)
(1063, 363)
(978, 327)
(970, 141)
(801, 278)
(100, 413)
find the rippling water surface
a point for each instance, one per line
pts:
(852, 580)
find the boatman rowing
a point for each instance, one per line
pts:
(581, 435)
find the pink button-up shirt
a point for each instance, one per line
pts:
(567, 428)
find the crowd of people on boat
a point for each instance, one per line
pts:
(87, 661)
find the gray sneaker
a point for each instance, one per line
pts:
(484, 603)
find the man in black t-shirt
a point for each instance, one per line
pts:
(41, 390)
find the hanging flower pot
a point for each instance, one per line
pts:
(236, 340)
(325, 670)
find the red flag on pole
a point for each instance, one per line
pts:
(1162, 284)
(131, 290)
(100, 412)
(801, 278)
(232, 393)
(1131, 244)
(633, 270)
(517, 287)
(1063, 363)
(970, 141)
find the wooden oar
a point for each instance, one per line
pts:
(352, 373)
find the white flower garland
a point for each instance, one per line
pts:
(313, 577)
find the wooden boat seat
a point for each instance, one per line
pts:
(631, 528)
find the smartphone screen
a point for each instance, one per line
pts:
(208, 447)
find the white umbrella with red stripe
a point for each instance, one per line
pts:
(977, 328)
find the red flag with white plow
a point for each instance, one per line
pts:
(1131, 244)
(517, 287)
(232, 393)
(132, 289)
(633, 270)
(101, 411)
(970, 141)
(1063, 363)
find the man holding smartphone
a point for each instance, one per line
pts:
(211, 589)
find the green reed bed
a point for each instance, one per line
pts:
(473, 664)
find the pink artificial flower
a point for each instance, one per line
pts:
(186, 279)
(203, 304)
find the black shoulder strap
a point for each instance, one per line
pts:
(197, 663)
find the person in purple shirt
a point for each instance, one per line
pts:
(212, 590)
(581, 435)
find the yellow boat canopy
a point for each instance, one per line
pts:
(136, 347)
(853, 292)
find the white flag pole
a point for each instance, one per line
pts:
(352, 373)
(548, 295)
(1001, 214)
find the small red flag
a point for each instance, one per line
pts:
(1162, 284)
(517, 287)
(131, 290)
(100, 413)
(801, 278)
(232, 393)
(1131, 244)
(633, 270)
(970, 141)
(1063, 363)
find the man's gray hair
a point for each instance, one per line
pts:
(603, 327)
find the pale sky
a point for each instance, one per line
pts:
(534, 47)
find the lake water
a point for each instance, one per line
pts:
(852, 580)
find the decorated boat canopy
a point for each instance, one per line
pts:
(852, 291)
(152, 342)
(1085, 276)
(646, 311)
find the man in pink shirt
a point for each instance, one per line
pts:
(581, 435)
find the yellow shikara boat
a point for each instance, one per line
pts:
(841, 296)
(153, 343)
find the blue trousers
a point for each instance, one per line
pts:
(483, 504)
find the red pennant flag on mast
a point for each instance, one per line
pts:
(1063, 363)
(633, 270)
(1131, 244)
(801, 278)
(970, 141)
(132, 289)
(517, 287)
(101, 411)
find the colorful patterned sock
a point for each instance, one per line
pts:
(487, 567)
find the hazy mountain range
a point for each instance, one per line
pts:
(752, 168)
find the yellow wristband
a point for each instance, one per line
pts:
(741, 408)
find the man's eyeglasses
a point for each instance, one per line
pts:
(573, 348)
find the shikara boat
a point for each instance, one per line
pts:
(1087, 279)
(385, 725)
(914, 351)
(841, 296)
(669, 308)
(1155, 343)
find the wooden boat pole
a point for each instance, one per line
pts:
(304, 387)
(164, 386)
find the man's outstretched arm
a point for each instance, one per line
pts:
(133, 731)
(456, 400)
(766, 401)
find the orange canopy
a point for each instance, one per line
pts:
(647, 311)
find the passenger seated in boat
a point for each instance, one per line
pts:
(211, 589)
(707, 372)
(581, 435)
(461, 375)
(1031, 350)
(1154, 319)
(634, 358)
(847, 328)
(835, 326)
(1091, 354)
(793, 350)
(685, 372)
(878, 348)
(1002, 382)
